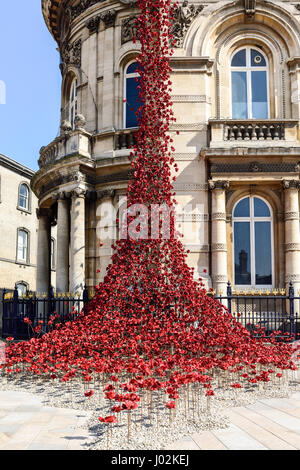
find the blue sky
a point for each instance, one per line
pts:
(29, 67)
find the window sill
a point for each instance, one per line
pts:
(26, 211)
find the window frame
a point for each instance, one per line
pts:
(53, 254)
(73, 101)
(252, 219)
(126, 77)
(28, 208)
(248, 69)
(27, 260)
(24, 284)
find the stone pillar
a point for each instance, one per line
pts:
(292, 236)
(77, 251)
(63, 242)
(218, 235)
(43, 252)
(106, 231)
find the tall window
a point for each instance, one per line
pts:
(253, 243)
(22, 248)
(24, 197)
(53, 254)
(249, 85)
(132, 102)
(73, 103)
(22, 288)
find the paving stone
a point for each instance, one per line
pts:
(236, 439)
(267, 438)
(207, 441)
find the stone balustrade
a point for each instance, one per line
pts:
(125, 139)
(247, 132)
(72, 143)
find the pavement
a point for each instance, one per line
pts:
(25, 424)
(268, 424)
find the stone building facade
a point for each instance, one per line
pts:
(236, 95)
(18, 227)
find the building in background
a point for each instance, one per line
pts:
(236, 95)
(18, 228)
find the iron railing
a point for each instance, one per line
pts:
(275, 312)
(39, 310)
(271, 312)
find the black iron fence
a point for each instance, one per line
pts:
(33, 314)
(275, 311)
(271, 311)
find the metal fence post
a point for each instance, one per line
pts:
(51, 309)
(15, 312)
(229, 295)
(3, 312)
(292, 308)
(85, 298)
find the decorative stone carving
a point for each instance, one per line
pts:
(259, 167)
(109, 18)
(290, 184)
(78, 193)
(65, 127)
(219, 247)
(79, 177)
(80, 122)
(218, 185)
(183, 17)
(71, 55)
(83, 5)
(128, 29)
(93, 24)
(108, 193)
(250, 8)
(219, 216)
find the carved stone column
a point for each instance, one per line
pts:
(63, 243)
(105, 230)
(43, 251)
(219, 243)
(292, 234)
(77, 252)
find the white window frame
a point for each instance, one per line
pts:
(27, 208)
(73, 102)
(23, 259)
(126, 77)
(252, 219)
(248, 69)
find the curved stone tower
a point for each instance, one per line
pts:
(238, 139)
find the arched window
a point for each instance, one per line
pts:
(253, 243)
(249, 85)
(73, 102)
(131, 92)
(22, 246)
(24, 197)
(22, 288)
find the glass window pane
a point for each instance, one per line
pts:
(239, 59)
(239, 95)
(132, 68)
(257, 59)
(259, 95)
(242, 253)
(260, 208)
(132, 102)
(263, 256)
(243, 208)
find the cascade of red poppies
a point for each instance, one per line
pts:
(151, 326)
